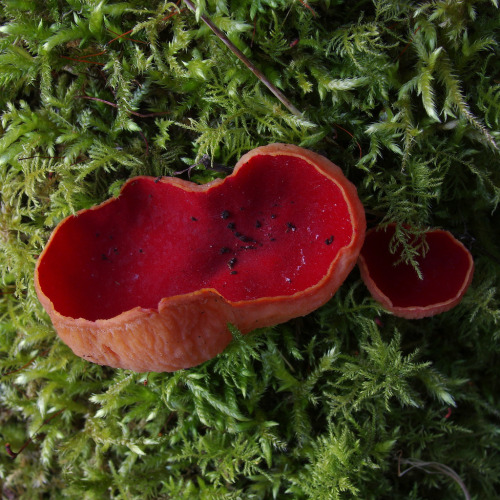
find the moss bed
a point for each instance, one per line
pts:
(346, 402)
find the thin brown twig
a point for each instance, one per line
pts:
(244, 59)
(125, 37)
(10, 291)
(13, 454)
(173, 13)
(114, 105)
(122, 35)
(409, 43)
(98, 99)
(130, 31)
(83, 60)
(253, 32)
(86, 56)
(352, 135)
(27, 364)
(307, 6)
(431, 468)
(145, 141)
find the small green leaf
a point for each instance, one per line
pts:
(96, 18)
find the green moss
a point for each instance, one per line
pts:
(404, 96)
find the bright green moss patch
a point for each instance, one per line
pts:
(405, 97)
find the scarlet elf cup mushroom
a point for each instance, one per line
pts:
(447, 268)
(150, 280)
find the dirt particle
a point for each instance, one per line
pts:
(231, 225)
(231, 262)
(329, 240)
(225, 214)
(258, 224)
(224, 250)
(245, 239)
(290, 227)
(194, 219)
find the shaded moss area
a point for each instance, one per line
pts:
(405, 97)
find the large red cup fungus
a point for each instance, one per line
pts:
(150, 280)
(447, 268)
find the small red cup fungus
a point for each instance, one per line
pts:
(150, 280)
(447, 268)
